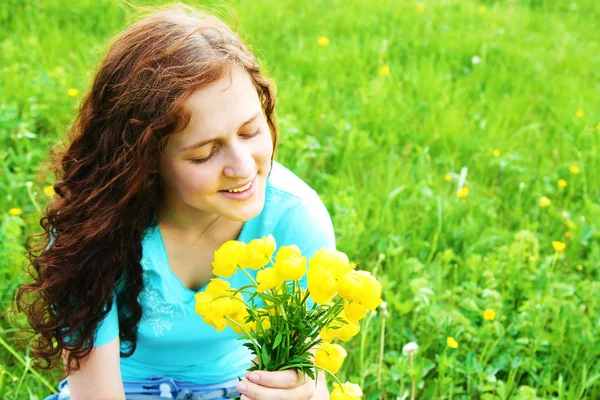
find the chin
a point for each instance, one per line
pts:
(247, 214)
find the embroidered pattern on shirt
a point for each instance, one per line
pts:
(157, 313)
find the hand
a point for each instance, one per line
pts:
(275, 385)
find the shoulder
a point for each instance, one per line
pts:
(293, 213)
(283, 185)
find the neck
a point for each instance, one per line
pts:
(197, 227)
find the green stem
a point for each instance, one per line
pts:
(331, 313)
(381, 348)
(233, 297)
(249, 336)
(283, 313)
(22, 361)
(27, 366)
(316, 367)
(249, 276)
(308, 347)
(363, 340)
(303, 301)
(32, 198)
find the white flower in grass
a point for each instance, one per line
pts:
(475, 60)
(410, 348)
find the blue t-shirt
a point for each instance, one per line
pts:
(172, 339)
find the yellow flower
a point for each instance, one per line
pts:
(330, 356)
(496, 153)
(574, 169)
(453, 344)
(544, 201)
(489, 314)
(323, 41)
(345, 329)
(214, 317)
(350, 286)
(346, 391)
(372, 291)
(15, 211)
(213, 310)
(447, 177)
(203, 301)
(239, 316)
(290, 264)
(568, 234)
(354, 311)
(49, 191)
(562, 183)
(268, 279)
(334, 261)
(384, 70)
(229, 256)
(223, 305)
(463, 192)
(482, 9)
(559, 246)
(218, 287)
(421, 8)
(579, 113)
(580, 267)
(72, 92)
(362, 287)
(259, 252)
(327, 334)
(321, 284)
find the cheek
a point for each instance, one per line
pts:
(195, 179)
(265, 150)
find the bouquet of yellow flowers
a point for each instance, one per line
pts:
(282, 323)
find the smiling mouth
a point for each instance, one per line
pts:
(242, 188)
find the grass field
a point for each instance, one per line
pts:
(434, 132)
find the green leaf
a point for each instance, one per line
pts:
(265, 358)
(277, 341)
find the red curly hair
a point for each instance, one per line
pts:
(108, 187)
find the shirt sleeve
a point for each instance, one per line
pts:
(108, 328)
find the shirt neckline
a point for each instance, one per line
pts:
(170, 272)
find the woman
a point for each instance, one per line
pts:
(171, 156)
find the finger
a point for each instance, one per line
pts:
(286, 379)
(253, 391)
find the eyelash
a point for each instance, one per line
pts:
(212, 153)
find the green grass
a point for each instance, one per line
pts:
(377, 147)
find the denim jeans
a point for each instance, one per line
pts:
(160, 388)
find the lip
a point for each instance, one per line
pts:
(242, 185)
(246, 194)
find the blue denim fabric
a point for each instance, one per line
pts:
(159, 388)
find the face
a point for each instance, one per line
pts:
(218, 165)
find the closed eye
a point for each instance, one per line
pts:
(208, 157)
(214, 149)
(251, 135)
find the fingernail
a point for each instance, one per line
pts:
(254, 377)
(241, 387)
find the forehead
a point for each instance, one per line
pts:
(221, 106)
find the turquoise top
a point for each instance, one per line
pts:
(173, 341)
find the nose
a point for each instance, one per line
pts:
(240, 163)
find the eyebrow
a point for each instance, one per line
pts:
(205, 142)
